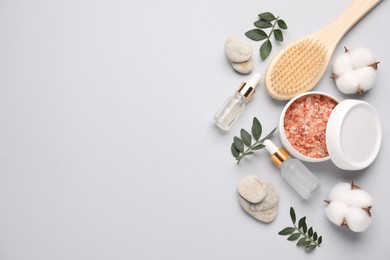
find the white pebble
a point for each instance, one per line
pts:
(245, 67)
(271, 200)
(252, 189)
(264, 215)
(237, 50)
(358, 219)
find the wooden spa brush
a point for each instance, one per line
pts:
(299, 66)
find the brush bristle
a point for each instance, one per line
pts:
(299, 68)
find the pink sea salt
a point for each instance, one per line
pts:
(305, 124)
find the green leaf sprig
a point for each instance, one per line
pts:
(267, 20)
(308, 238)
(238, 146)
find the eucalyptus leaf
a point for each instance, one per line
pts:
(282, 24)
(287, 231)
(307, 240)
(262, 24)
(278, 35)
(256, 35)
(301, 222)
(292, 215)
(274, 24)
(265, 49)
(269, 135)
(310, 248)
(302, 241)
(238, 148)
(256, 129)
(294, 236)
(258, 147)
(238, 144)
(246, 137)
(234, 151)
(310, 232)
(267, 16)
(304, 227)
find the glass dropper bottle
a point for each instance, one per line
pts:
(293, 170)
(235, 104)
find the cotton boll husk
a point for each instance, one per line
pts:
(358, 220)
(342, 64)
(361, 57)
(360, 199)
(336, 212)
(347, 82)
(366, 77)
(340, 192)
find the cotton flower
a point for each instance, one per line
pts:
(354, 71)
(349, 205)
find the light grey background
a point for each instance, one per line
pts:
(107, 150)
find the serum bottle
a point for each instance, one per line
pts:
(293, 170)
(235, 104)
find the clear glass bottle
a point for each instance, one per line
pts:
(293, 171)
(235, 104)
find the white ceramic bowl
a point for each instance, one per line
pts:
(282, 132)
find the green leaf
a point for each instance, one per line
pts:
(304, 228)
(294, 236)
(278, 35)
(249, 153)
(315, 236)
(256, 35)
(292, 215)
(265, 49)
(267, 16)
(246, 137)
(256, 129)
(235, 152)
(310, 248)
(282, 24)
(263, 24)
(269, 135)
(319, 240)
(287, 231)
(238, 144)
(301, 222)
(258, 147)
(302, 241)
(310, 232)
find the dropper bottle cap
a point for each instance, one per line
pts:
(278, 154)
(248, 89)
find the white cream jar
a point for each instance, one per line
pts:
(315, 126)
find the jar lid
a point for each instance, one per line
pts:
(353, 135)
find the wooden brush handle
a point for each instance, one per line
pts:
(332, 34)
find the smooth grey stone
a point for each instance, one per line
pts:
(252, 189)
(271, 200)
(237, 50)
(265, 216)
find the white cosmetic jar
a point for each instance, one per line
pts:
(353, 133)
